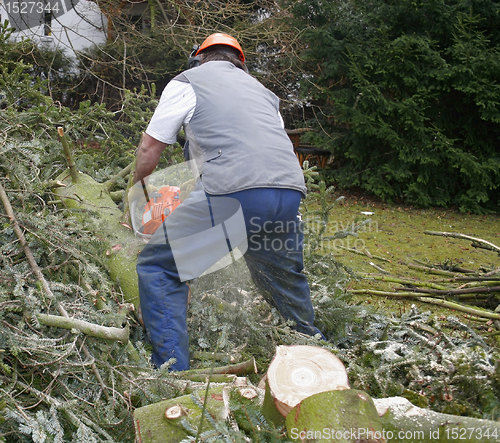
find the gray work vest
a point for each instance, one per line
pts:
(235, 135)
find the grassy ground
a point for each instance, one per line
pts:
(395, 238)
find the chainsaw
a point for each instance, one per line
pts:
(159, 205)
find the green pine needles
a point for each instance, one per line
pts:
(59, 385)
(406, 95)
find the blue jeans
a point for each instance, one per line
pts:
(274, 256)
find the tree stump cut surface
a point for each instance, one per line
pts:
(297, 372)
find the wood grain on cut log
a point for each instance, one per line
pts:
(297, 372)
(175, 411)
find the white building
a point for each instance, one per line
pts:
(71, 25)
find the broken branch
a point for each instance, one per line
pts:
(68, 155)
(461, 308)
(246, 367)
(111, 183)
(476, 242)
(91, 329)
(482, 290)
(431, 270)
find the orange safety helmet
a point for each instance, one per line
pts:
(222, 39)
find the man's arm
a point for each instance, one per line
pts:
(148, 156)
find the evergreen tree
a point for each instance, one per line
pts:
(407, 95)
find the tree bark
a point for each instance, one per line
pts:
(91, 329)
(408, 423)
(337, 416)
(123, 246)
(153, 426)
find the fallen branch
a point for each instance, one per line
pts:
(476, 242)
(431, 270)
(111, 183)
(461, 308)
(87, 328)
(378, 268)
(478, 319)
(484, 280)
(452, 292)
(384, 293)
(68, 155)
(246, 367)
(402, 281)
(364, 252)
(205, 377)
(494, 272)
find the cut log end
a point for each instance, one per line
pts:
(297, 372)
(175, 411)
(248, 393)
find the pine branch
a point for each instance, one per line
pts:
(431, 270)
(401, 294)
(91, 329)
(488, 290)
(38, 272)
(111, 183)
(476, 242)
(403, 281)
(461, 308)
(246, 367)
(364, 252)
(61, 406)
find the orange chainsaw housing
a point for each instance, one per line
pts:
(161, 204)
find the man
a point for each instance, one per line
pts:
(243, 155)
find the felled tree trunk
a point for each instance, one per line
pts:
(336, 416)
(122, 246)
(168, 421)
(404, 422)
(309, 386)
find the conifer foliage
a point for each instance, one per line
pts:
(59, 384)
(407, 93)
